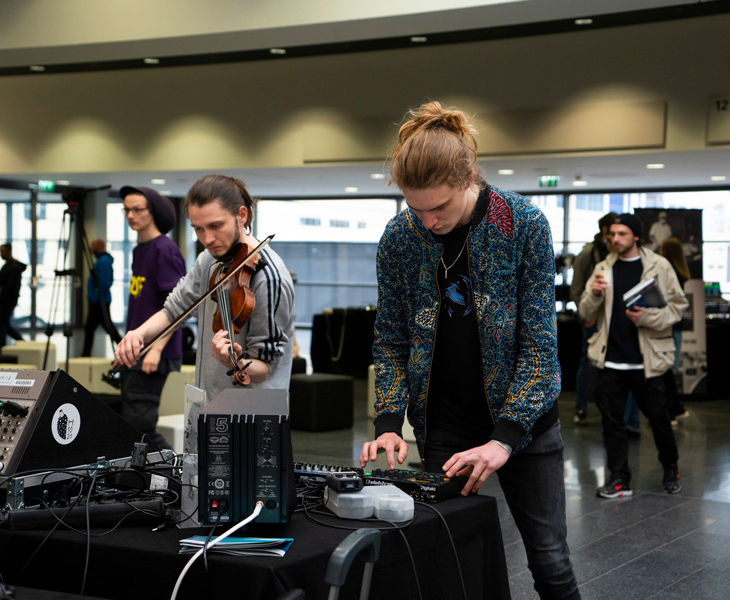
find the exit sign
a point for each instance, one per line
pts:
(46, 186)
(549, 180)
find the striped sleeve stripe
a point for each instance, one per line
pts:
(273, 295)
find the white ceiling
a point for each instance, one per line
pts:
(617, 171)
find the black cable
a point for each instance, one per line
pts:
(390, 526)
(187, 518)
(104, 533)
(159, 450)
(45, 539)
(68, 470)
(205, 553)
(413, 562)
(451, 540)
(88, 533)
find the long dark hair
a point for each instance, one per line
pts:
(230, 192)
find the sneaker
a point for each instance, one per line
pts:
(618, 488)
(671, 481)
(580, 417)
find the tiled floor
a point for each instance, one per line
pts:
(651, 545)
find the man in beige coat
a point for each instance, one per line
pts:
(632, 349)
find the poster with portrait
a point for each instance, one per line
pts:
(686, 226)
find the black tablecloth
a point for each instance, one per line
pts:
(139, 563)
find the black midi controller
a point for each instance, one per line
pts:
(420, 485)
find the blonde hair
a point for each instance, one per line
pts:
(672, 250)
(436, 146)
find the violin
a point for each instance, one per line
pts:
(111, 377)
(236, 302)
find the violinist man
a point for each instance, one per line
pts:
(157, 265)
(221, 212)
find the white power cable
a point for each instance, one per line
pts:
(220, 538)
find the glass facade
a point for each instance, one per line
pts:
(328, 244)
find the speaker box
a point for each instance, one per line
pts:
(245, 456)
(65, 426)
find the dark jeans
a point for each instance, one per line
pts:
(585, 375)
(141, 399)
(532, 482)
(98, 315)
(650, 394)
(5, 316)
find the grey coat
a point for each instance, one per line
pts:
(655, 325)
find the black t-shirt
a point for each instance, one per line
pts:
(623, 335)
(456, 399)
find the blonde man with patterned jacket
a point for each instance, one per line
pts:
(632, 349)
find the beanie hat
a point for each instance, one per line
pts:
(162, 209)
(631, 221)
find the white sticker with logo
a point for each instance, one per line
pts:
(66, 424)
(157, 482)
(8, 377)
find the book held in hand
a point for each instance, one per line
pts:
(646, 294)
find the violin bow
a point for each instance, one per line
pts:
(109, 377)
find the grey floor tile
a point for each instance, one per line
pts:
(650, 546)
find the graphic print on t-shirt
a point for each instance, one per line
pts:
(135, 285)
(458, 298)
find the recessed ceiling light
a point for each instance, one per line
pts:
(351, 190)
(583, 21)
(419, 39)
(151, 61)
(580, 183)
(506, 172)
(37, 68)
(62, 181)
(377, 176)
(718, 178)
(655, 166)
(159, 181)
(278, 51)
(165, 192)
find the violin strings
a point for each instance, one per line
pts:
(225, 306)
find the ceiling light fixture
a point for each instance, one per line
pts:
(37, 68)
(583, 21)
(377, 176)
(419, 39)
(351, 190)
(165, 192)
(580, 183)
(63, 181)
(277, 51)
(151, 61)
(718, 178)
(505, 172)
(655, 166)
(158, 181)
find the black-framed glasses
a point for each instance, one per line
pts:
(137, 210)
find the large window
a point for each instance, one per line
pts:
(585, 210)
(329, 246)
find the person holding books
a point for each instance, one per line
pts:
(632, 349)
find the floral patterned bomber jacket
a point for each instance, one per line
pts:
(512, 265)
